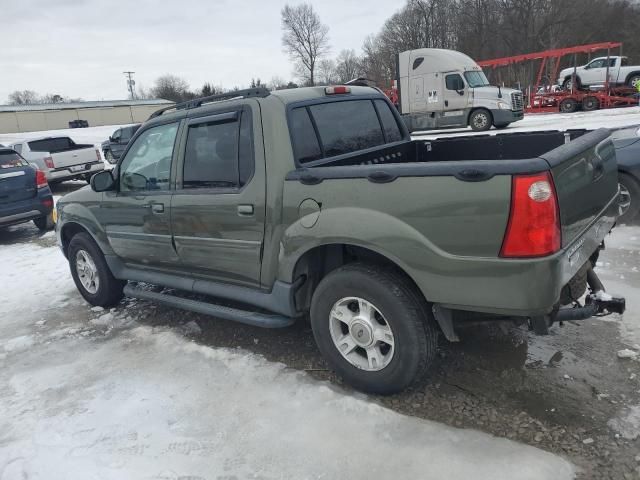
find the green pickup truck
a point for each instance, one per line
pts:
(266, 207)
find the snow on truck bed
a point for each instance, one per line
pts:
(98, 395)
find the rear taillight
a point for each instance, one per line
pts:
(48, 161)
(337, 90)
(98, 155)
(47, 202)
(41, 180)
(533, 229)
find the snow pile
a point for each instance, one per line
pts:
(148, 404)
(627, 423)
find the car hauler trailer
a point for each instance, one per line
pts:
(545, 97)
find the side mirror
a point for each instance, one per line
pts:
(110, 138)
(103, 181)
(460, 92)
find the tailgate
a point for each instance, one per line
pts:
(16, 183)
(74, 157)
(585, 174)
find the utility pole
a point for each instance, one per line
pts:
(131, 83)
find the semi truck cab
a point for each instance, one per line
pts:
(440, 88)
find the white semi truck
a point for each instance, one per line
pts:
(440, 88)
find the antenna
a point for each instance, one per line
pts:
(131, 83)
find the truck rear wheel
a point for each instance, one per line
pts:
(568, 105)
(373, 328)
(480, 120)
(633, 81)
(590, 104)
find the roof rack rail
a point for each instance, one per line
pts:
(197, 102)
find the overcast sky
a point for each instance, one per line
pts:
(79, 48)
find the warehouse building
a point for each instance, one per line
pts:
(33, 118)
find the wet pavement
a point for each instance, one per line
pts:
(567, 392)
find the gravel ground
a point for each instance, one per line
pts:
(556, 392)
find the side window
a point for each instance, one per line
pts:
(305, 142)
(116, 135)
(347, 126)
(147, 165)
(454, 82)
(388, 120)
(624, 61)
(417, 62)
(597, 63)
(211, 156)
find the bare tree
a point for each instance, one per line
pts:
(326, 72)
(305, 38)
(277, 83)
(171, 87)
(348, 66)
(23, 97)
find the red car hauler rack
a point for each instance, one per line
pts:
(545, 97)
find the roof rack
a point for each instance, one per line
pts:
(197, 102)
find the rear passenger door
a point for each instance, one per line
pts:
(218, 208)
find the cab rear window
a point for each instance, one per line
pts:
(9, 159)
(329, 129)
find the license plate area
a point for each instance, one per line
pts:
(78, 168)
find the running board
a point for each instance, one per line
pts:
(255, 319)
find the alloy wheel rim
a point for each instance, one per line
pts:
(480, 120)
(87, 272)
(361, 334)
(624, 200)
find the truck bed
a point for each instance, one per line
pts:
(582, 164)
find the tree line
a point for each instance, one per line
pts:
(483, 29)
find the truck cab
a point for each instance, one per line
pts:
(443, 88)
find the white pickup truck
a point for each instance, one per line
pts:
(60, 158)
(595, 73)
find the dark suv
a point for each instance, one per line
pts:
(113, 148)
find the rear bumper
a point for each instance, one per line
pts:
(25, 210)
(524, 288)
(66, 173)
(501, 117)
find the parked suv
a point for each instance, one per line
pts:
(316, 202)
(113, 148)
(24, 192)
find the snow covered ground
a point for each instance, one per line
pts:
(610, 118)
(88, 395)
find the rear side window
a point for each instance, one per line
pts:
(305, 142)
(211, 156)
(347, 126)
(388, 120)
(52, 145)
(9, 159)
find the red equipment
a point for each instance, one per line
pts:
(543, 98)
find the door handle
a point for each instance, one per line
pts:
(446, 103)
(157, 207)
(245, 210)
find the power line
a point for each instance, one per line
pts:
(131, 83)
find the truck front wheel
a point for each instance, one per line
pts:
(373, 328)
(480, 120)
(633, 81)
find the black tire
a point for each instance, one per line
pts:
(633, 80)
(405, 312)
(108, 156)
(567, 84)
(589, 104)
(630, 192)
(480, 120)
(500, 126)
(44, 223)
(109, 289)
(568, 105)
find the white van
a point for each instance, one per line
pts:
(440, 88)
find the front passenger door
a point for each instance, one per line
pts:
(137, 217)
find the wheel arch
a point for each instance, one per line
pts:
(70, 230)
(632, 74)
(318, 261)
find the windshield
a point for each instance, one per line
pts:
(476, 79)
